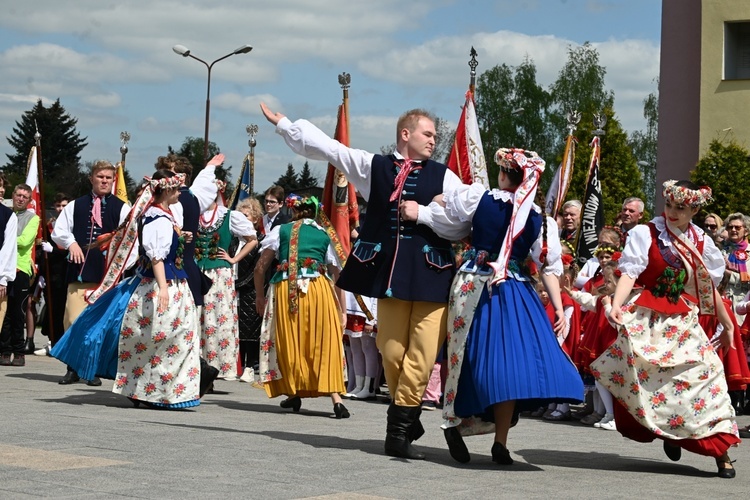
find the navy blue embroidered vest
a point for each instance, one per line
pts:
(85, 232)
(395, 258)
(191, 212)
(492, 220)
(5, 214)
(171, 271)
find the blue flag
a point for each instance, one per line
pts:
(244, 187)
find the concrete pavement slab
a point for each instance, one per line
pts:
(78, 441)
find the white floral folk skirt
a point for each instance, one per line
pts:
(220, 336)
(665, 372)
(158, 356)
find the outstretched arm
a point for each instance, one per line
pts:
(204, 186)
(309, 141)
(271, 116)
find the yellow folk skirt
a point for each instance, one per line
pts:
(309, 346)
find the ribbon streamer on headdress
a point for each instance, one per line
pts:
(523, 199)
(121, 246)
(704, 286)
(125, 237)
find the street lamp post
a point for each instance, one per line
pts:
(185, 52)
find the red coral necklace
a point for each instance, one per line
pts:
(211, 220)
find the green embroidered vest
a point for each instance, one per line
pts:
(210, 240)
(312, 248)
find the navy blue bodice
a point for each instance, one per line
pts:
(173, 268)
(490, 223)
(191, 212)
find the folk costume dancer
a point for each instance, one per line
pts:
(403, 256)
(143, 333)
(78, 226)
(192, 202)
(502, 350)
(302, 353)
(663, 371)
(220, 341)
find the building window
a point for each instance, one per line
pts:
(737, 51)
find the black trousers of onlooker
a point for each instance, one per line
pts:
(250, 353)
(13, 333)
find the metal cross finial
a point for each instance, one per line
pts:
(37, 135)
(600, 120)
(124, 139)
(252, 131)
(574, 117)
(345, 79)
(473, 63)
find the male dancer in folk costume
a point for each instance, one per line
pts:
(76, 229)
(403, 256)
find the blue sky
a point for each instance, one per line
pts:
(113, 68)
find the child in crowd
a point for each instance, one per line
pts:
(610, 237)
(436, 384)
(598, 333)
(567, 338)
(363, 354)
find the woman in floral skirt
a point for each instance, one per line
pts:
(220, 341)
(158, 359)
(663, 371)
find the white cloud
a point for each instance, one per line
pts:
(150, 124)
(107, 100)
(631, 65)
(194, 127)
(52, 62)
(290, 30)
(16, 98)
(246, 105)
(113, 68)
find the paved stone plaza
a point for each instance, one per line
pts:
(85, 442)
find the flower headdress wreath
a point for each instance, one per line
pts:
(173, 182)
(693, 198)
(296, 201)
(685, 196)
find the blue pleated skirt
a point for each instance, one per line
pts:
(90, 345)
(512, 355)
